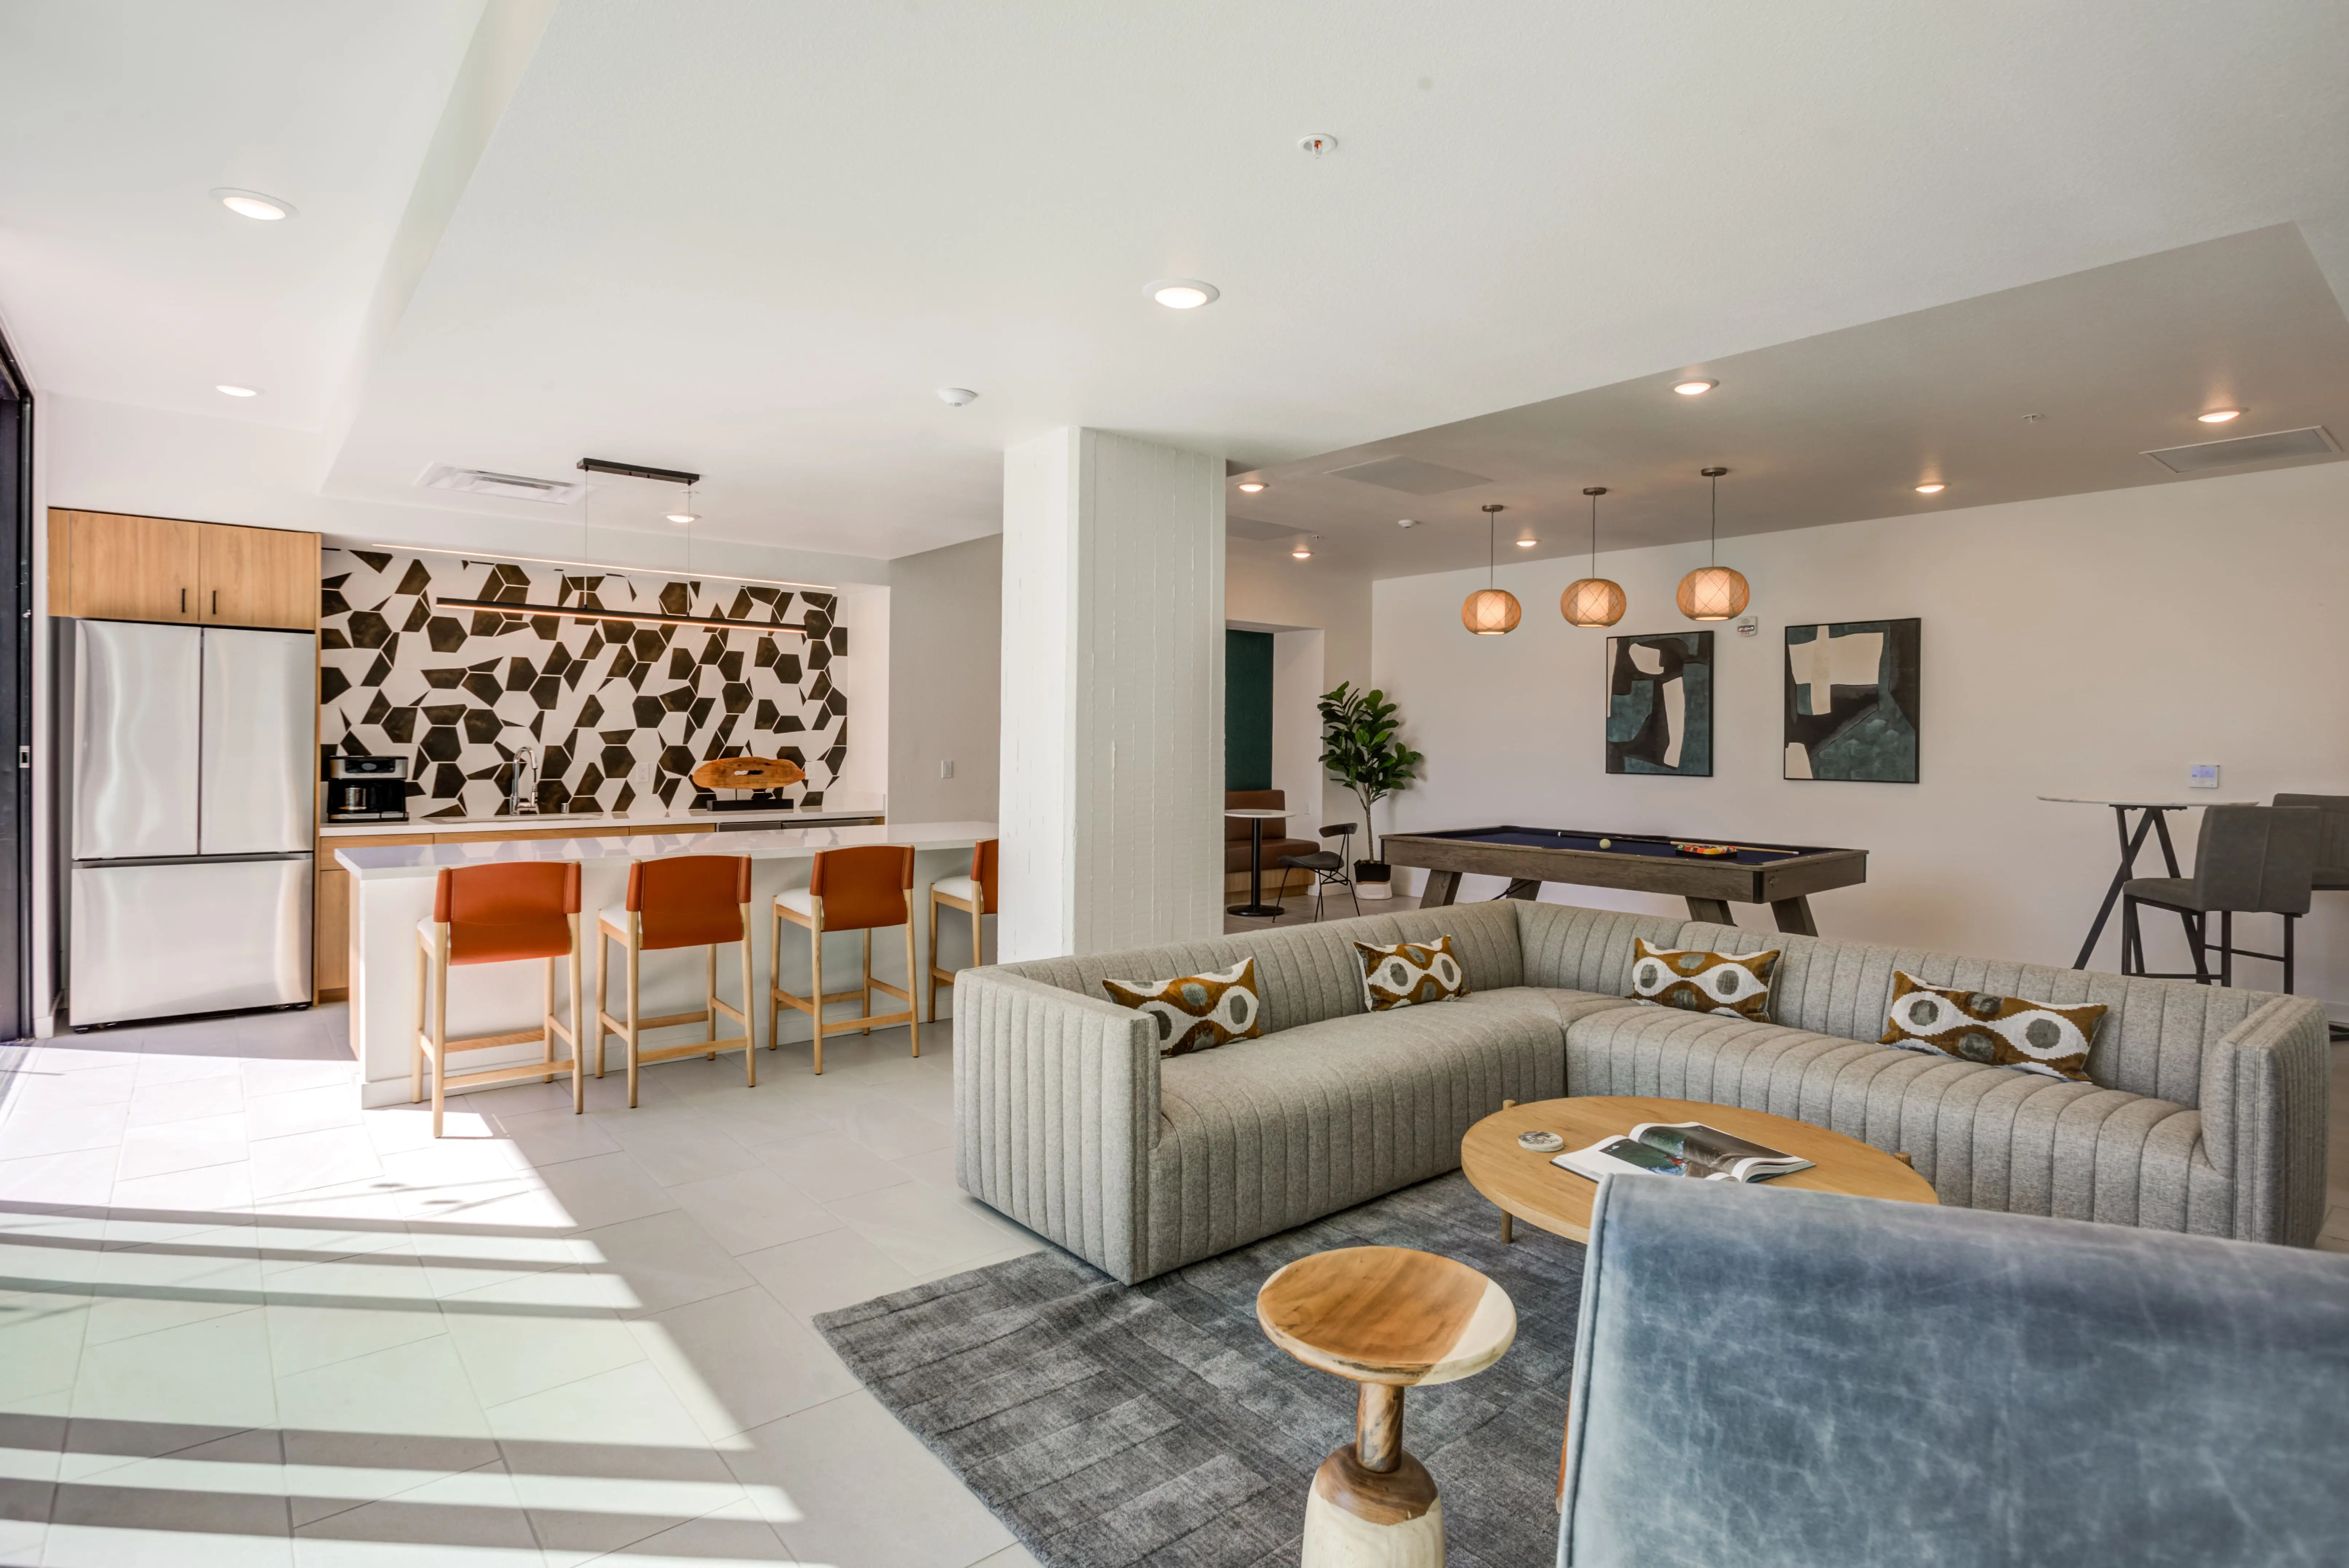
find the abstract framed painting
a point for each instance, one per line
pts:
(1852, 689)
(1659, 704)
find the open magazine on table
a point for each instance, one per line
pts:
(1681, 1148)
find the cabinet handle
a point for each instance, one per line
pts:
(216, 600)
(183, 601)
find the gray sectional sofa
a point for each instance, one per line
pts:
(2207, 1115)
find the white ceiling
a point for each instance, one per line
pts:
(2113, 362)
(749, 237)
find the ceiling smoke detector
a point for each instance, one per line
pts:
(1317, 144)
(514, 487)
(1406, 522)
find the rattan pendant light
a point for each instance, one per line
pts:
(1592, 601)
(1491, 611)
(1714, 592)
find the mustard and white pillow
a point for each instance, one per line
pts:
(1409, 973)
(1196, 1011)
(1734, 985)
(2048, 1037)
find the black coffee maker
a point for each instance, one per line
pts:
(367, 789)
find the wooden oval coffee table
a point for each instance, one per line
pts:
(1387, 1318)
(1527, 1186)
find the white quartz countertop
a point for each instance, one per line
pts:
(831, 811)
(370, 862)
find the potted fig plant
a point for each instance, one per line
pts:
(1362, 751)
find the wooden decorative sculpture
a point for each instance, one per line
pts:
(748, 773)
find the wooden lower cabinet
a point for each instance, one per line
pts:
(331, 957)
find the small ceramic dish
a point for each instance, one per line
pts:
(1540, 1143)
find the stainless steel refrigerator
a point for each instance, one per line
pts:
(193, 753)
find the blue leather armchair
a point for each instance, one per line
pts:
(1798, 1378)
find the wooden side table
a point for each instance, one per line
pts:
(1385, 1318)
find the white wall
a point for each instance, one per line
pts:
(1296, 685)
(2092, 645)
(946, 681)
(1266, 590)
(863, 676)
(1113, 770)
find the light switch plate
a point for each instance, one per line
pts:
(946, 770)
(2202, 775)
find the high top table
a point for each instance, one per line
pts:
(1257, 816)
(2154, 820)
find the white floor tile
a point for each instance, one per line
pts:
(182, 1146)
(210, 1374)
(526, 1335)
(40, 1343)
(739, 1360)
(827, 1165)
(141, 1511)
(380, 1424)
(265, 1079)
(39, 1085)
(473, 1520)
(825, 1273)
(675, 1144)
(300, 1110)
(84, 1176)
(934, 1167)
(200, 1196)
(865, 1488)
(59, 1129)
(155, 1104)
(331, 1311)
(733, 1537)
(751, 1209)
(667, 1260)
(303, 1161)
(544, 1138)
(925, 1229)
(605, 1190)
(199, 1275)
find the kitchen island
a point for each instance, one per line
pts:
(331, 967)
(391, 890)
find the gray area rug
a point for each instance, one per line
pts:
(1108, 1425)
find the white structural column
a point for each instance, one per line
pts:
(1113, 761)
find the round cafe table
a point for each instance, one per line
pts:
(1257, 816)
(1388, 1318)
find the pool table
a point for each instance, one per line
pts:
(1782, 876)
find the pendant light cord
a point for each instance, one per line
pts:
(1712, 550)
(1594, 535)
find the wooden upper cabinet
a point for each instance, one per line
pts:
(108, 566)
(257, 577)
(115, 568)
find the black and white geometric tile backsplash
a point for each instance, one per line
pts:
(616, 715)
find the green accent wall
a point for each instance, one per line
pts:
(1247, 710)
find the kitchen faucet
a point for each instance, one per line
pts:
(523, 802)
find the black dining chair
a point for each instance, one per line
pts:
(1329, 868)
(2248, 859)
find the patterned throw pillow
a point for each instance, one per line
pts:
(2004, 1031)
(1196, 1011)
(1409, 973)
(1736, 986)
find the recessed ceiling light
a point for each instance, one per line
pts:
(1252, 486)
(682, 518)
(252, 204)
(1304, 551)
(957, 397)
(1184, 293)
(227, 391)
(1406, 522)
(2219, 416)
(1934, 488)
(1694, 388)
(1527, 543)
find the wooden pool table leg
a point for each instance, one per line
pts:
(1795, 916)
(1715, 910)
(1441, 887)
(1527, 888)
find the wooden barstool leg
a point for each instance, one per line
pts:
(547, 1023)
(440, 1028)
(631, 1038)
(775, 972)
(868, 979)
(578, 1023)
(977, 929)
(913, 1018)
(1508, 1221)
(933, 976)
(709, 999)
(415, 1039)
(815, 977)
(749, 1028)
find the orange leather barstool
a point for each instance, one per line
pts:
(498, 913)
(848, 890)
(687, 901)
(973, 894)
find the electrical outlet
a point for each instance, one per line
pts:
(2202, 776)
(946, 770)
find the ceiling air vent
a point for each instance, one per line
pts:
(2277, 447)
(514, 487)
(1249, 528)
(1409, 475)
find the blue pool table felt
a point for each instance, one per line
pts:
(1620, 845)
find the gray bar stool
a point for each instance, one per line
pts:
(2331, 873)
(2250, 859)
